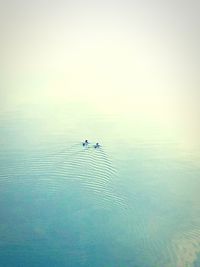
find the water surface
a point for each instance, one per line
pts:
(133, 202)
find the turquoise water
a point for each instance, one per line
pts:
(134, 202)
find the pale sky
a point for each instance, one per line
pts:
(141, 56)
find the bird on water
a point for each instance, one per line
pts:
(96, 145)
(85, 143)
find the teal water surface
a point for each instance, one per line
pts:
(134, 202)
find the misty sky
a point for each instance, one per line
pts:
(141, 56)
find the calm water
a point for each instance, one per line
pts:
(134, 202)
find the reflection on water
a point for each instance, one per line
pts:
(132, 202)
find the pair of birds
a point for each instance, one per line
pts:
(87, 143)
